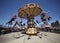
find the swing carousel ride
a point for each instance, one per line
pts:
(29, 11)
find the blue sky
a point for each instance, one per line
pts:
(8, 8)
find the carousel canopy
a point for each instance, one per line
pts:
(31, 9)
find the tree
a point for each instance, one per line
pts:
(57, 23)
(53, 24)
